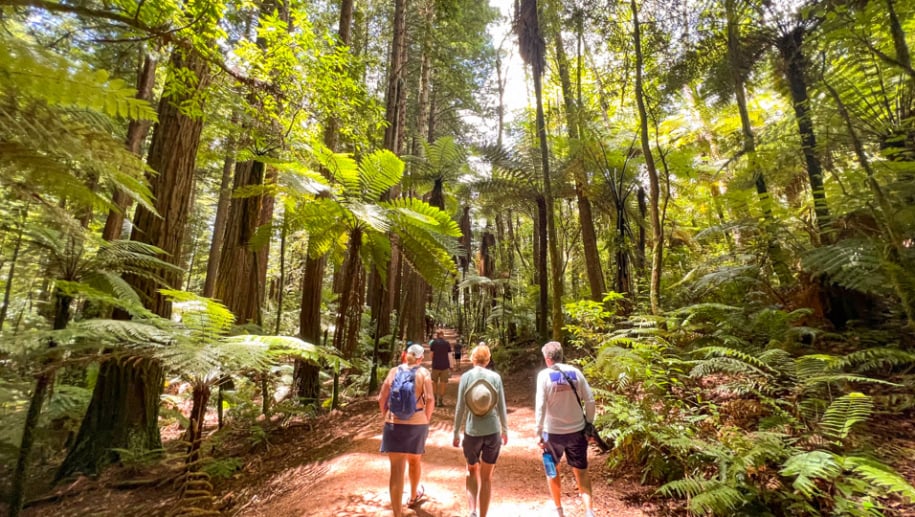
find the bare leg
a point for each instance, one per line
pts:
(584, 486)
(472, 484)
(395, 483)
(416, 471)
(555, 485)
(485, 487)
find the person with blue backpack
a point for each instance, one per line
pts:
(406, 402)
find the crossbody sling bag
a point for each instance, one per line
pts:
(589, 431)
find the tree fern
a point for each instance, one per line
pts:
(853, 263)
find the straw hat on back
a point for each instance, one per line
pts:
(480, 397)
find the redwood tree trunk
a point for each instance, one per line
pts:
(242, 272)
(124, 409)
(219, 224)
(136, 133)
(306, 375)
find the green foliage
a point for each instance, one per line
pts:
(222, 468)
(729, 421)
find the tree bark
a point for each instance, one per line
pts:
(585, 214)
(136, 133)
(239, 284)
(654, 188)
(124, 409)
(219, 224)
(552, 240)
(789, 46)
(306, 375)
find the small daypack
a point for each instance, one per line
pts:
(402, 399)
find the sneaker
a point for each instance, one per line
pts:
(473, 514)
(559, 512)
(589, 513)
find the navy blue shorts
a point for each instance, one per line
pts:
(573, 445)
(487, 447)
(406, 438)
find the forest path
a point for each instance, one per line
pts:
(353, 481)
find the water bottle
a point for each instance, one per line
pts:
(549, 464)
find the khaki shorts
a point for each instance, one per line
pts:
(441, 375)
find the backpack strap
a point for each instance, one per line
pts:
(422, 392)
(574, 391)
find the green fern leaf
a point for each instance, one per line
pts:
(846, 411)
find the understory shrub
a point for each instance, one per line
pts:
(739, 414)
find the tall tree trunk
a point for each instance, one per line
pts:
(776, 253)
(654, 188)
(219, 224)
(585, 215)
(350, 308)
(11, 274)
(395, 115)
(43, 382)
(540, 259)
(306, 374)
(124, 409)
(136, 133)
(238, 283)
(789, 46)
(532, 49)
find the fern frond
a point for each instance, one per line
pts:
(719, 500)
(808, 467)
(856, 264)
(845, 412)
(378, 172)
(880, 475)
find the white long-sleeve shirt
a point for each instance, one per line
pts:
(556, 410)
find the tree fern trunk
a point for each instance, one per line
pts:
(789, 46)
(43, 382)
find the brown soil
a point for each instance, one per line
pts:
(332, 467)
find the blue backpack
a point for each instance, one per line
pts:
(402, 399)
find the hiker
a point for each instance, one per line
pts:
(404, 440)
(558, 416)
(480, 411)
(403, 355)
(441, 365)
(458, 349)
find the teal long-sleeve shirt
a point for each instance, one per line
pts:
(494, 422)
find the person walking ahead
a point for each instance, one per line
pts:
(441, 365)
(557, 413)
(405, 440)
(480, 411)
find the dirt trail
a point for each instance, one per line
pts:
(354, 481)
